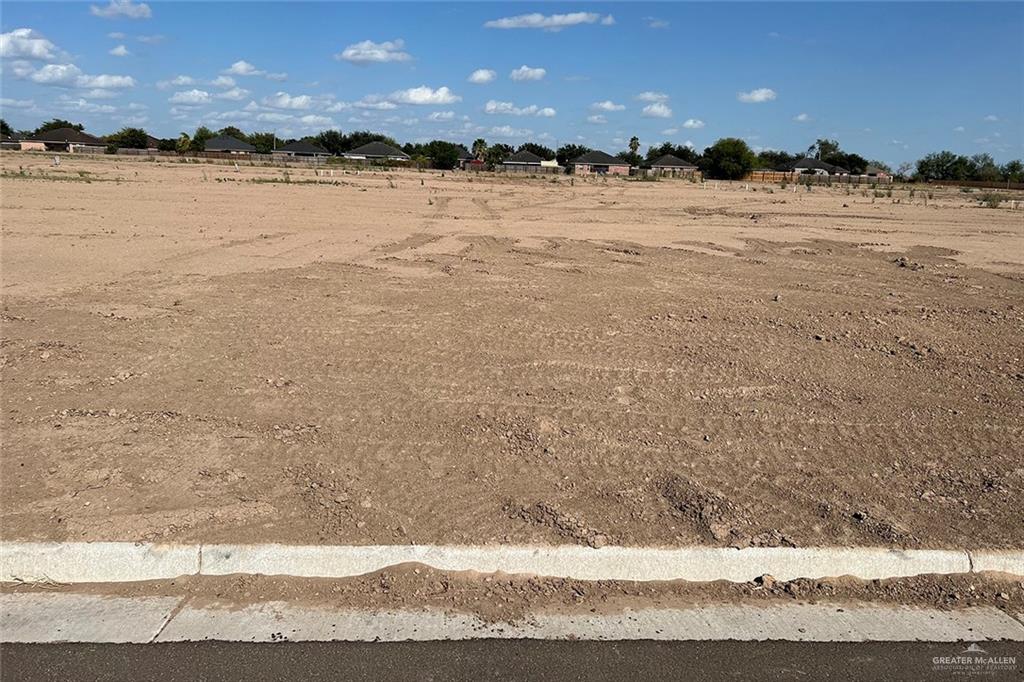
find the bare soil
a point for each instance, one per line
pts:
(189, 355)
(510, 598)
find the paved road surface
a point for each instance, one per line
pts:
(491, 660)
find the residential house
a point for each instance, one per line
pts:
(465, 158)
(600, 163)
(301, 148)
(673, 166)
(65, 140)
(226, 144)
(876, 173)
(522, 162)
(811, 166)
(8, 142)
(376, 151)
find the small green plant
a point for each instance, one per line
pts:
(991, 199)
(878, 194)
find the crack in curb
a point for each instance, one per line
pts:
(970, 561)
(170, 616)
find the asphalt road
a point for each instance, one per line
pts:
(494, 660)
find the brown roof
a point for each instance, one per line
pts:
(66, 135)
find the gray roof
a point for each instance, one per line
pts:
(875, 170)
(807, 163)
(303, 147)
(524, 156)
(465, 154)
(66, 135)
(599, 158)
(377, 149)
(226, 143)
(671, 161)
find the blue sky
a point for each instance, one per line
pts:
(890, 81)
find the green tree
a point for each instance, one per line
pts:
(568, 152)
(634, 145)
(1013, 171)
(360, 137)
(55, 123)
(774, 158)
(184, 143)
(880, 165)
(822, 149)
(540, 150)
(167, 145)
(232, 131)
(630, 157)
(985, 168)
(332, 140)
(727, 159)
(264, 142)
(443, 155)
(5, 129)
(130, 138)
(479, 147)
(497, 153)
(199, 139)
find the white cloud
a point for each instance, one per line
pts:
(7, 103)
(654, 22)
(277, 77)
(243, 68)
(190, 97)
(24, 43)
(19, 68)
(99, 93)
(441, 116)
(120, 51)
(282, 100)
(274, 117)
(86, 106)
(597, 119)
(657, 110)
(105, 81)
(509, 131)
(424, 95)
(526, 73)
(122, 8)
(693, 123)
(959, 129)
(756, 96)
(57, 74)
(368, 52)
(482, 76)
(177, 81)
(652, 96)
(314, 120)
(218, 82)
(496, 107)
(234, 94)
(801, 118)
(150, 40)
(375, 103)
(607, 105)
(670, 131)
(553, 22)
(992, 118)
(116, 35)
(335, 107)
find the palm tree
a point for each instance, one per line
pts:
(479, 148)
(634, 144)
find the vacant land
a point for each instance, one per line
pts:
(191, 352)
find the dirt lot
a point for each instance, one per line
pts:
(194, 353)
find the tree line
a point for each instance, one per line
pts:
(729, 158)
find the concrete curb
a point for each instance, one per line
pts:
(48, 618)
(98, 562)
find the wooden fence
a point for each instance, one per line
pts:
(770, 176)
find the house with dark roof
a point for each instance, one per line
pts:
(672, 166)
(301, 148)
(64, 140)
(811, 166)
(876, 172)
(376, 151)
(8, 142)
(227, 144)
(600, 163)
(466, 158)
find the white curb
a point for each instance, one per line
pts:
(125, 562)
(48, 618)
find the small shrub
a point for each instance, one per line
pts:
(879, 194)
(991, 199)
